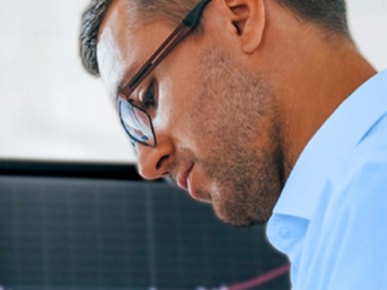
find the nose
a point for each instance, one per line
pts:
(155, 162)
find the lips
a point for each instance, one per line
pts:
(182, 181)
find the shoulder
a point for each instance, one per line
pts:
(363, 177)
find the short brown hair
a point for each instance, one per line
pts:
(330, 14)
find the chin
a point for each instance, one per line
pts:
(241, 210)
(241, 219)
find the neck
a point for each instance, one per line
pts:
(317, 75)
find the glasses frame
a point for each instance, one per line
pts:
(188, 24)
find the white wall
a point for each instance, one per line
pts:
(51, 109)
(368, 24)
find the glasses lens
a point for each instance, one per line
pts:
(136, 122)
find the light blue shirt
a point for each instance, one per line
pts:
(331, 217)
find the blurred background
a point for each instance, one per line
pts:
(51, 109)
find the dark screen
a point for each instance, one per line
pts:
(84, 233)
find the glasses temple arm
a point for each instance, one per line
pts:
(179, 33)
(193, 17)
(188, 24)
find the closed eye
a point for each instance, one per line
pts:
(147, 98)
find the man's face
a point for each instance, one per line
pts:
(213, 119)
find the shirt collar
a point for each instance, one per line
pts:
(330, 144)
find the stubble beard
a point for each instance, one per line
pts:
(245, 189)
(239, 111)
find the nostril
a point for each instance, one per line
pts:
(161, 161)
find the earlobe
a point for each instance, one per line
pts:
(249, 21)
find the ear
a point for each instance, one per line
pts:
(249, 20)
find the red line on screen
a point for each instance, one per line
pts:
(260, 280)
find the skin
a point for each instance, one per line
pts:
(235, 106)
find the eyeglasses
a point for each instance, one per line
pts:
(134, 118)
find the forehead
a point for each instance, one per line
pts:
(110, 53)
(122, 46)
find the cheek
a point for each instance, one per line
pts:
(164, 104)
(176, 102)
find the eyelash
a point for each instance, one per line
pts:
(148, 98)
